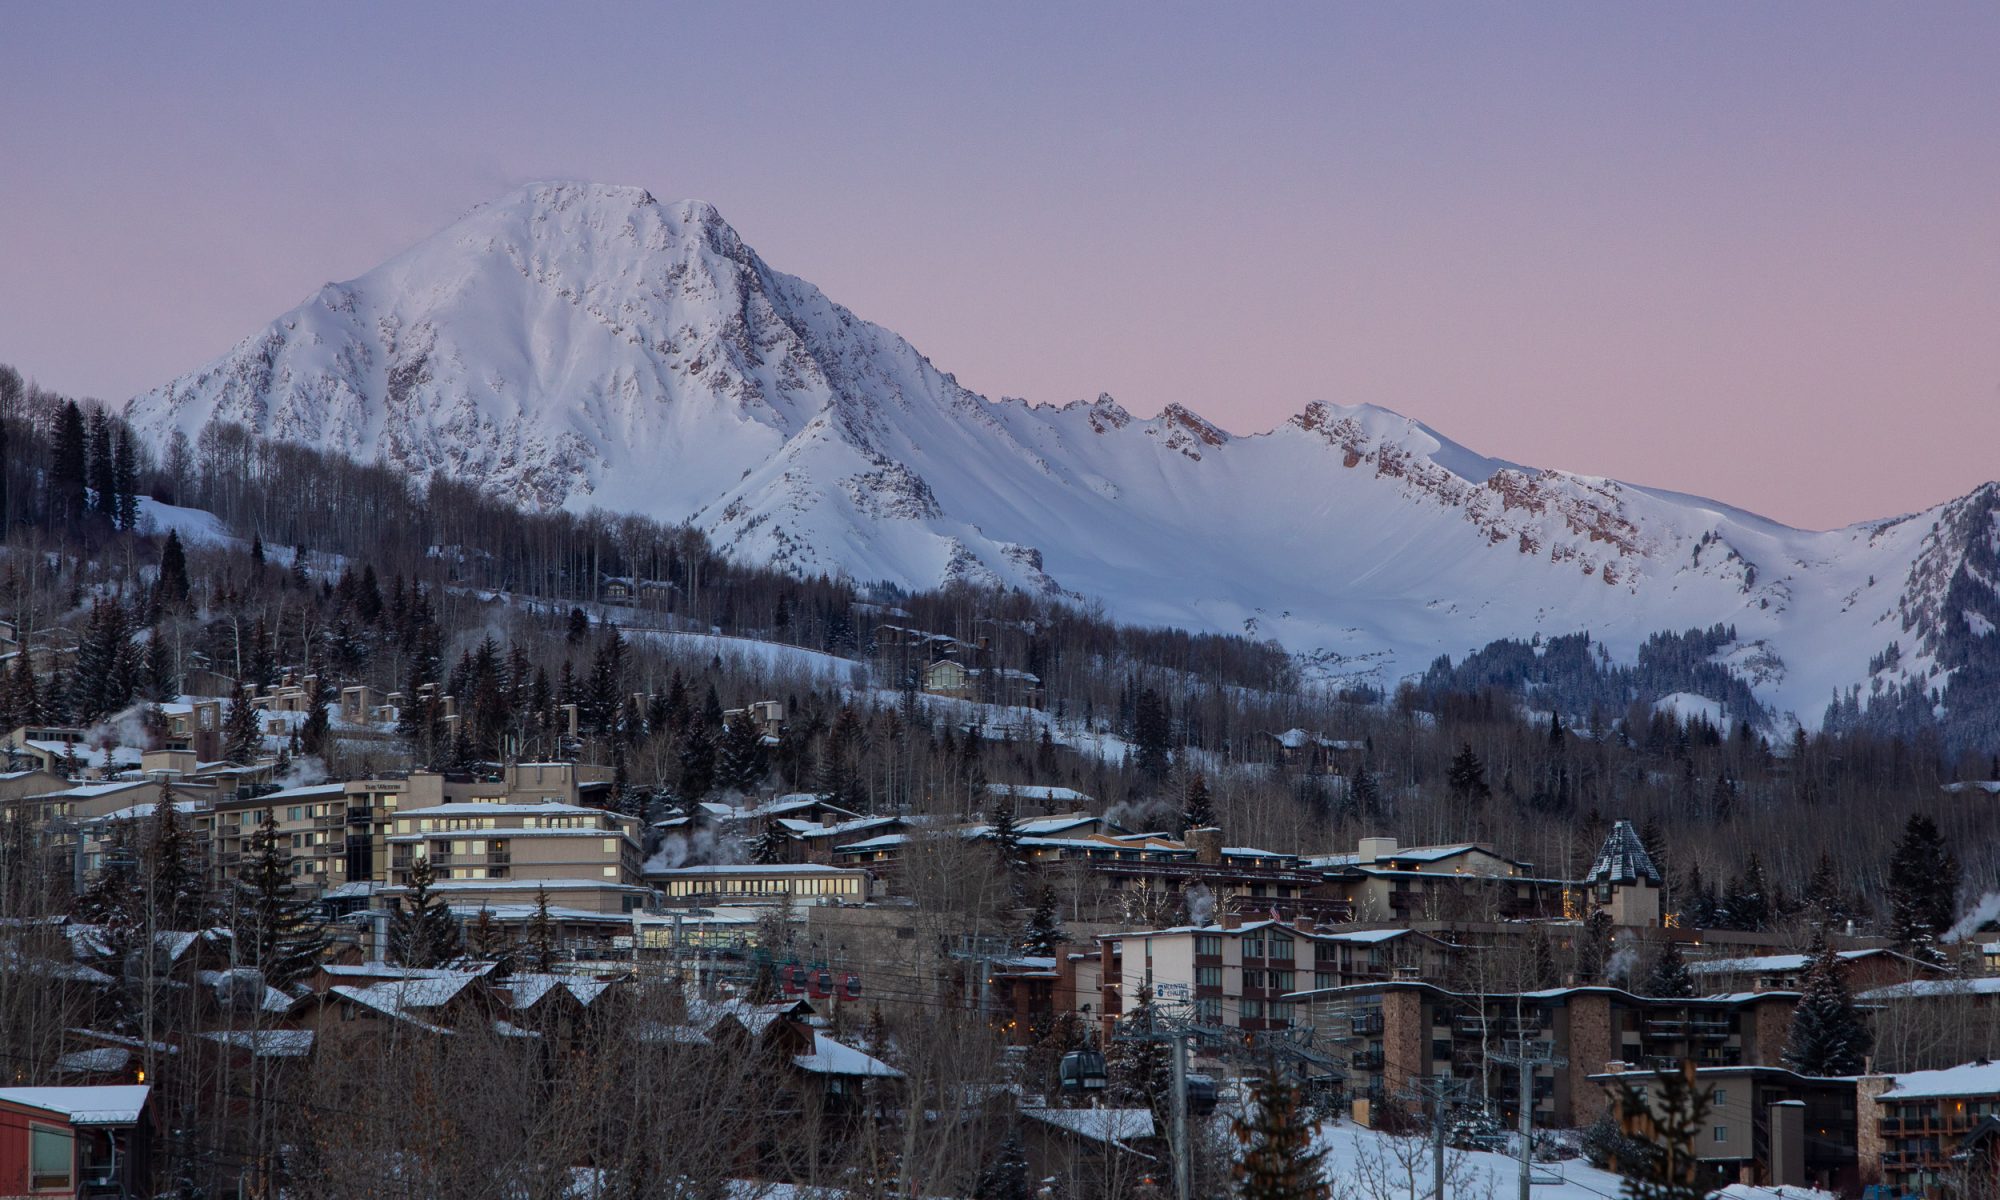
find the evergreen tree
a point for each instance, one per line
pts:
(106, 664)
(1044, 934)
(172, 587)
(176, 873)
(697, 762)
(579, 627)
(1280, 1159)
(1748, 905)
(1922, 889)
(1140, 1075)
(1669, 978)
(773, 845)
(741, 760)
(1828, 1035)
(1197, 810)
(1006, 836)
(486, 940)
(1152, 735)
(1699, 908)
(422, 932)
(316, 732)
(103, 489)
(1466, 777)
(277, 931)
(1005, 1175)
(242, 732)
(69, 467)
(1668, 1124)
(542, 952)
(604, 695)
(125, 483)
(1364, 794)
(1825, 899)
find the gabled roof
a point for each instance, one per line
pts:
(832, 1058)
(116, 1105)
(1623, 859)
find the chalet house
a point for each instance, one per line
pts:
(1312, 753)
(1093, 1152)
(66, 1143)
(1767, 1126)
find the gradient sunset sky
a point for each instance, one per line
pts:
(1750, 251)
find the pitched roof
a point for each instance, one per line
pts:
(1623, 859)
(115, 1105)
(832, 1058)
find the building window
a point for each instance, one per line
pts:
(1253, 947)
(1721, 1097)
(1281, 947)
(1722, 1133)
(1208, 977)
(1208, 945)
(1253, 981)
(1284, 981)
(52, 1159)
(1251, 1010)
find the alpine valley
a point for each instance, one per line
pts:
(575, 345)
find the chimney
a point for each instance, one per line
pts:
(1206, 843)
(1375, 849)
(1303, 923)
(1231, 919)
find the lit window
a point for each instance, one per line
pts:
(611, 872)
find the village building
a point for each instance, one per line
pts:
(1917, 1130)
(1404, 1029)
(67, 1143)
(1767, 1126)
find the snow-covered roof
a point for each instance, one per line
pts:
(1984, 985)
(266, 1043)
(315, 791)
(832, 1058)
(1770, 963)
(1036, 791)
(530, 988)
(118, 1104)
(494, 808)
(1108, 1125)
(1967, 1079)
(101, 1060)
(1623, 859)
(779, 870)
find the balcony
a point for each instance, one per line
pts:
(1366, 1060)
(1363, 1024)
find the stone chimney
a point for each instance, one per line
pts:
(1206, 843)
(1303, 923)
(1230, 918)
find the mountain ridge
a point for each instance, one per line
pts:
(587, 346)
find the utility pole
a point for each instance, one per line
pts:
(1525, 1058)
(1437, 1092)
(1172, 1030)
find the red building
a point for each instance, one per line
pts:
(67, 1143)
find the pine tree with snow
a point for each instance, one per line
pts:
(1828, 1035)
(1005, 1175)
(1669, 978)
(242, 733)
(773, 846)
(1279, 1159)
(486, 940)
(422, 932)
(1045, 932)
(1197, 810)
(277, 931)
(741, 759)
(1922, 889)
(316, 732)
(1006, 837)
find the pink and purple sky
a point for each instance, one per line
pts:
(1748, 251)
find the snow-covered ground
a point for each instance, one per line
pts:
(197, 527)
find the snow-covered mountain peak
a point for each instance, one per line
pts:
(578, 345)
